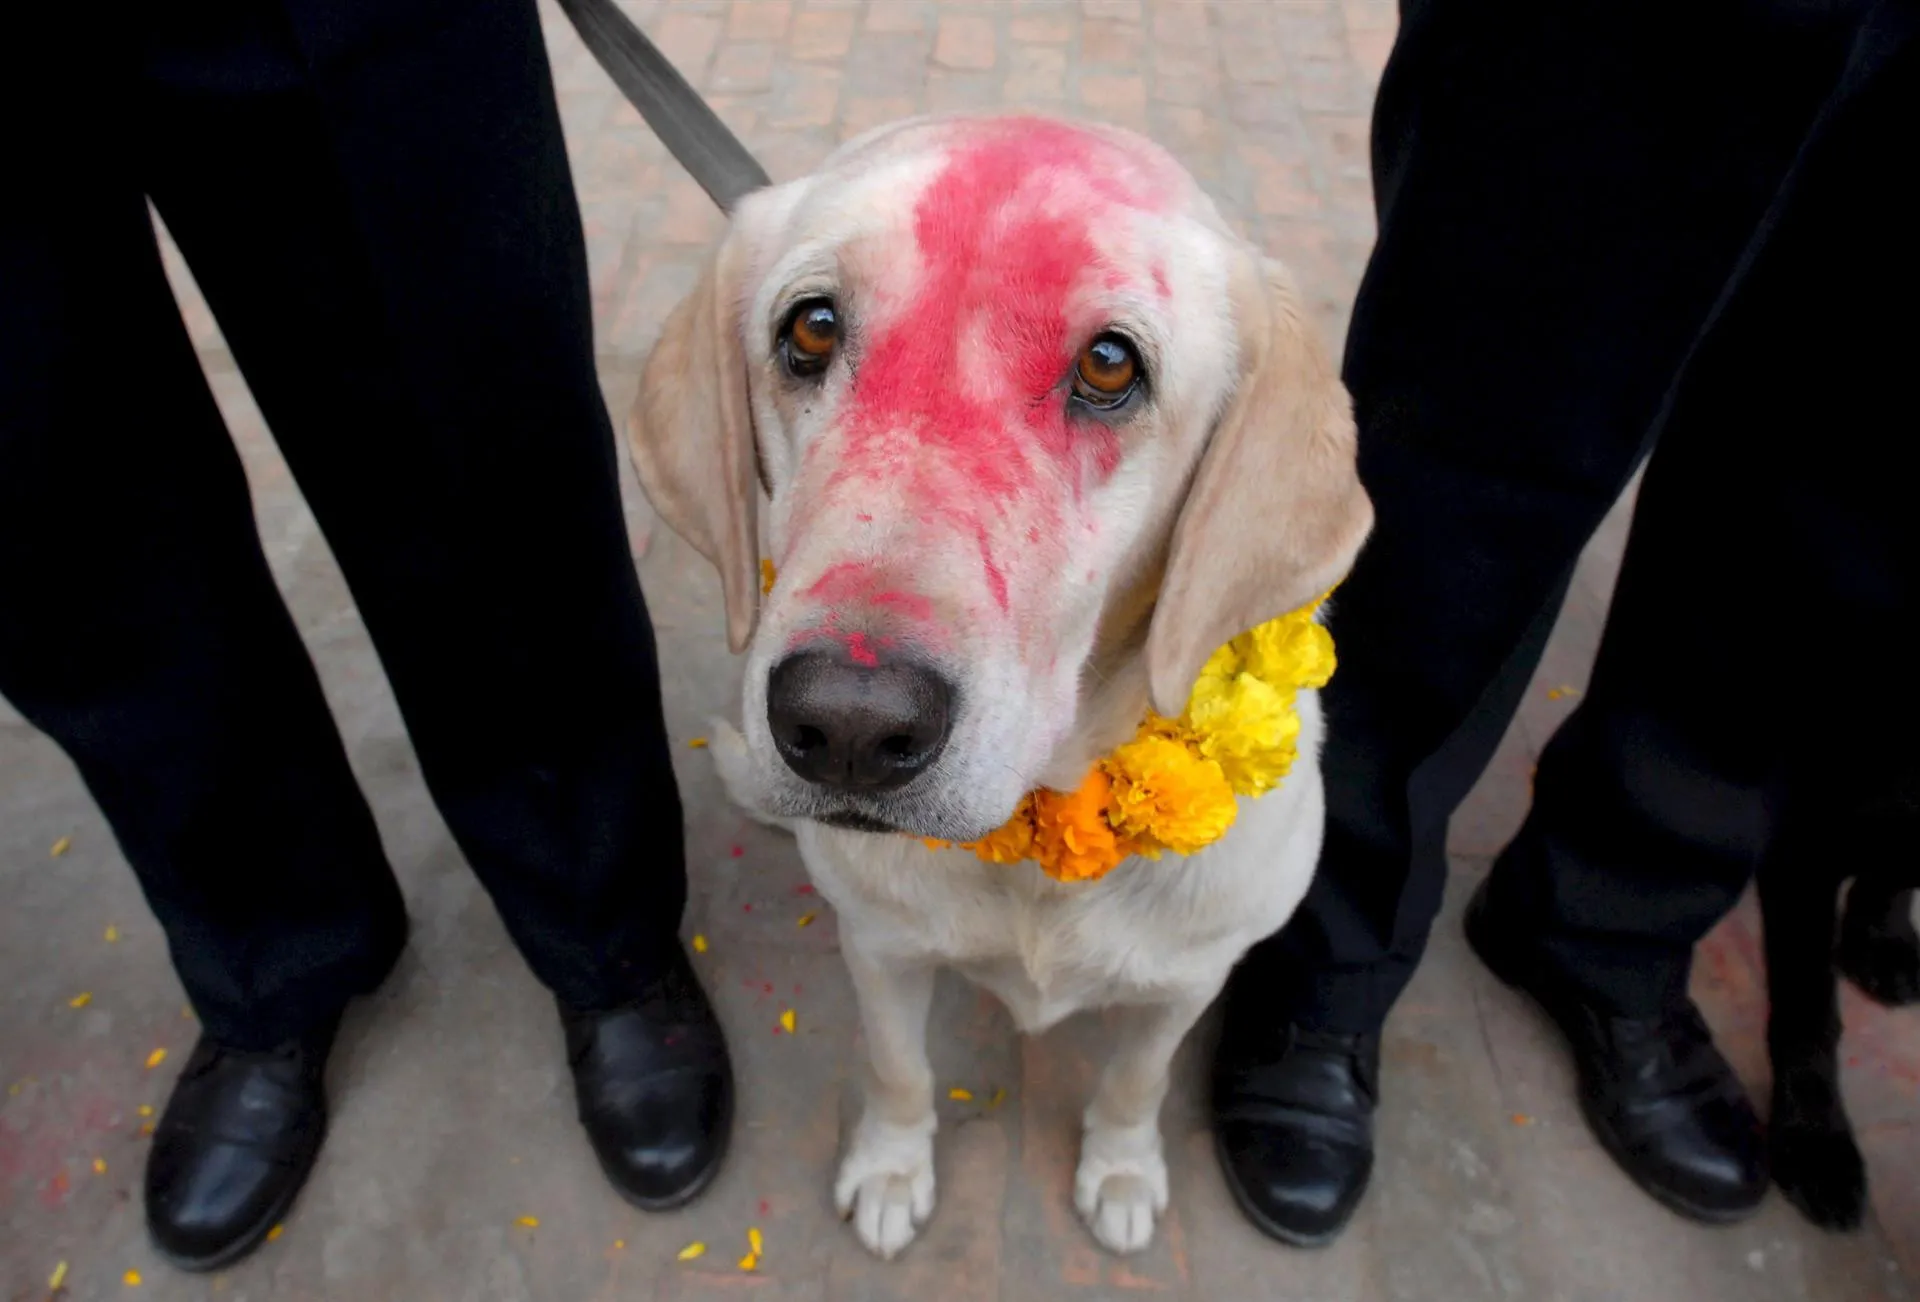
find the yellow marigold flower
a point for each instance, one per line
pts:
(1162, 791)
(1291, 651)
(1072, 839)
(1248, 727)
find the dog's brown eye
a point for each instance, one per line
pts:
(1106, 373)
(811, 334)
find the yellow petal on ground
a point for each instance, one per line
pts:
(692, 1252)
(155, 1058)
(58, 1277)
(146, 1109)
(806, 919)
(698, 743)
(80, 1000)
(959, 1095)
(131, 1279)
(767, 574)
(754, 1241)
(60, 847)
(99, 1166)
(1522, 1119)
(786, 1021)
(275, 1232)
(750, 1262)
(1555, 693)
(146, 1131)
(619, 1244)
(529, 1222)
(113, 933)
(999, 1097)
(699, 944)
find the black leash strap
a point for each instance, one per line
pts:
(690, 130)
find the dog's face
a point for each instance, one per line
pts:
(969, 371)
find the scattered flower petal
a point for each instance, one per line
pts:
(754, 1241)
(806, 919)
(529, 1222)
(750, 1262)
(275, 1232)
(698, 743)
(113, 933)
(80, 1000)
(155, 1058)
(692, 1252)
(1556, 693)
(146, 1131)
(99, 1166)
(999, 1097)
(146, 1109)
(787, 1021)
(619, 1245)
(699, 944)
(1522, 1119)
(131, 1279)
(766, 576)
(959, 1095)
(60, 847)
(58, 1277)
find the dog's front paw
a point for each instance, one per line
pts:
(1121, 1185)
(885, 1185)
(1821, 1172)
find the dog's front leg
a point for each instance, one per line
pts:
(886, 1179)
(1121, 1185)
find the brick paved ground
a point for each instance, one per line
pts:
(452, 1117)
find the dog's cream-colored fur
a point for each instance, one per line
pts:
(1235, 499)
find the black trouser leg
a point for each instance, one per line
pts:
(140, 627)
(385, 228)
(393, 249)
(1561, 201)
(1767, 598)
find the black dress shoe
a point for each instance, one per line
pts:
(1656, 1093)
(233, 1147)
(1293, 1124)
(655, 1089)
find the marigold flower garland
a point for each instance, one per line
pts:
(1174, 786)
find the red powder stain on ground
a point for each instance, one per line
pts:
(54, 1192)
(863, 655)
(766, 987)
(764, 1207)
(738, 851)
(864, 518)
(804, 888)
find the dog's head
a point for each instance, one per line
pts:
(995, 391)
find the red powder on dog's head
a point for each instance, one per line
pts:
(1006, 232)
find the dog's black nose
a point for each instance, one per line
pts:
(855, 727)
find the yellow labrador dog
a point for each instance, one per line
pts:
(1027, 432)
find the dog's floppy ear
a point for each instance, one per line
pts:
(691, 431)
(1275, 514)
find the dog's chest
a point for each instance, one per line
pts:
(1146, 933)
